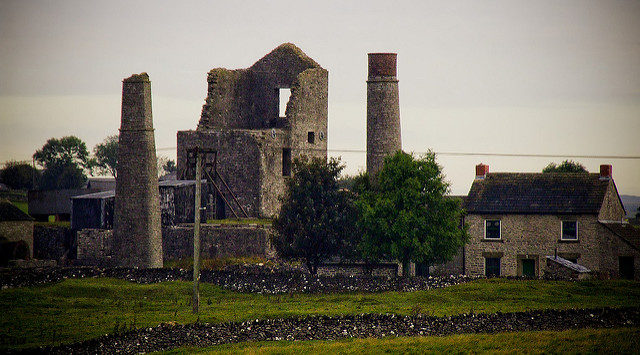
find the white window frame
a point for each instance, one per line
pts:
(485, 229)
(562, 231)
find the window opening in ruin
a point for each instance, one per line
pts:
(311, 137)
(492, 229)
(286, 161)
(284, 94)
(569, 230)
(492, 267)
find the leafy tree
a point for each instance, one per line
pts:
(317, 219)
(567, 166)
(106, 154)
(405, 215)
(170, 166)
(64, 161)
(19, 175)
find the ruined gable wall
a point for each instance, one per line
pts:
(307, 111)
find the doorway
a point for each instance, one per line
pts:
(529, 267)
(625, 264)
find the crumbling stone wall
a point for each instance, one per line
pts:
(95, 247)
(240, 122)
(14, 231)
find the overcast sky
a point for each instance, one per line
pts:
(513, 76)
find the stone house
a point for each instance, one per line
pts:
(250, 134)
(16, 233)
(516, 220)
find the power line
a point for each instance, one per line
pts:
(473, 154)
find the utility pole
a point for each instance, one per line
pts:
(196, 235)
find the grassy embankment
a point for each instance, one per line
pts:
(577, 341)
(80, 309)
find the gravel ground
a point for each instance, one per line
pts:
(251, 279)
(166, 336)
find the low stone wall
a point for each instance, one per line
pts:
(217, 241)
(54, 243)
(95, 246)
(359, 269)
(557, 271)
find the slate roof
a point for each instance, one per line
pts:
(566, 263)
(626, 231)
(540, 193)
(9, 212)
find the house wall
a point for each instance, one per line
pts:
(611, 248)
(612, 209)
(535, 236)
(13, 231)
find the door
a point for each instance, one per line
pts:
(528, 267)
(626, 267)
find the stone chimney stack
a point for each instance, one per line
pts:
(383, 110)
(481, 171)
(137, 239)
(606, 172)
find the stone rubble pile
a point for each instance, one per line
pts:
(167, 336)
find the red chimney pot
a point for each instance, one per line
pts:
(481, 171)
(606, 171)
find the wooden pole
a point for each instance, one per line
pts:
(196, 236)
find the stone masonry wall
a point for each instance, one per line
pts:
(54, 243)
(612, 209)
(14, 231)
(536, 236)
(95, 246)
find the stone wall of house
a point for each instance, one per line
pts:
(14, 231)
(536, 236)
(612, 248)
(612, 208)
(54, 243)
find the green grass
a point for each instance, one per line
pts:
(214, 263)
(23, 206)
(79, 309)
(602, 341)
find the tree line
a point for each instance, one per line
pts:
(65, 163)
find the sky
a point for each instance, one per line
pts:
(502, 77)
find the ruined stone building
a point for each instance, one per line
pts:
(248, 144)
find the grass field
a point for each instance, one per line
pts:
(79, 309)
(602, 341)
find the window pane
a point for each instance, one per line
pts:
(493, 229)
(569, 230)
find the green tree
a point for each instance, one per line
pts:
(64, 161)
(170, 166)
(19, 175)
(106, 154)
(405, 214)
(317, 219)
(567, 166)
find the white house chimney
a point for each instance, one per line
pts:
(481, 171)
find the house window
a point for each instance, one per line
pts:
(286, 161)
(569, 230)
(311, 137)
(491, 267)
(492, 229)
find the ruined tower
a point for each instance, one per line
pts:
(136, 232)
(383, 110)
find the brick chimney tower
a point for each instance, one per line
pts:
(383, 110)
(137, 239)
